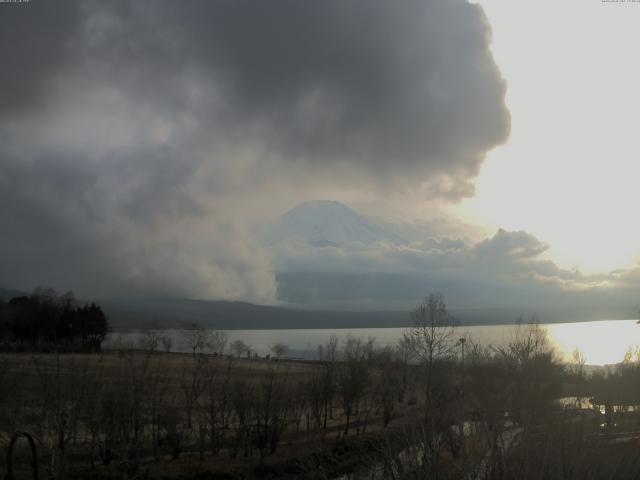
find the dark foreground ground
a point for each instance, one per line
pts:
(133, 414)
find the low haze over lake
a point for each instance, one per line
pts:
(601, 342)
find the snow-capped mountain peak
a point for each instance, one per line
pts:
(322, 223)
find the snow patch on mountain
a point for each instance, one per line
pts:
(325, 223)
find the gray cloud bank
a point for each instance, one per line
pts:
(139, 139)
(507, 270)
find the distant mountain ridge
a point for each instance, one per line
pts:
(6, 294)
(158, 313)
(228, 315)
(324, 223)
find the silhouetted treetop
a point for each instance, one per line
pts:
(45, 318)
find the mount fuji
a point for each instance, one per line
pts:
(325, 223)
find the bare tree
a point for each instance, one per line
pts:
(279, 349)
(270, 409)
(217, 408)
(577, 363)
(328, 352)
(167, 343)
(354, 378)
(404, 354)
(192, 386)
(388, 381)
(149, 341)
(328, 355)
(218, 341)
(432, 339)
(122, 418)
(157, 389)
(63, 387)
(531, 378)
(238, 347)
(431, 335)
(241, 393)
(196, 338)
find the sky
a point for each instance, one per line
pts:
(572, 158)
(143, 145)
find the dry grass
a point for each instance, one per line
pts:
(34, 383)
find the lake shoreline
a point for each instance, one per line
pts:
(365, 327)
(603, 342)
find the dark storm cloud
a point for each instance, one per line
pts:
(35, 41)
(395, 87)
(135, 135)
(106, 229)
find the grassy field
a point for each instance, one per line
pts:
(166, 406)
(135, 414)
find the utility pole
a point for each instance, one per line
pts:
(463, 443)
(462, 341)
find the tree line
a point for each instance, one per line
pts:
(45, 321)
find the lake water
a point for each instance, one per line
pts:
(601, 342)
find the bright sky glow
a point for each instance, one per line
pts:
(587, 337)
(570, 172)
